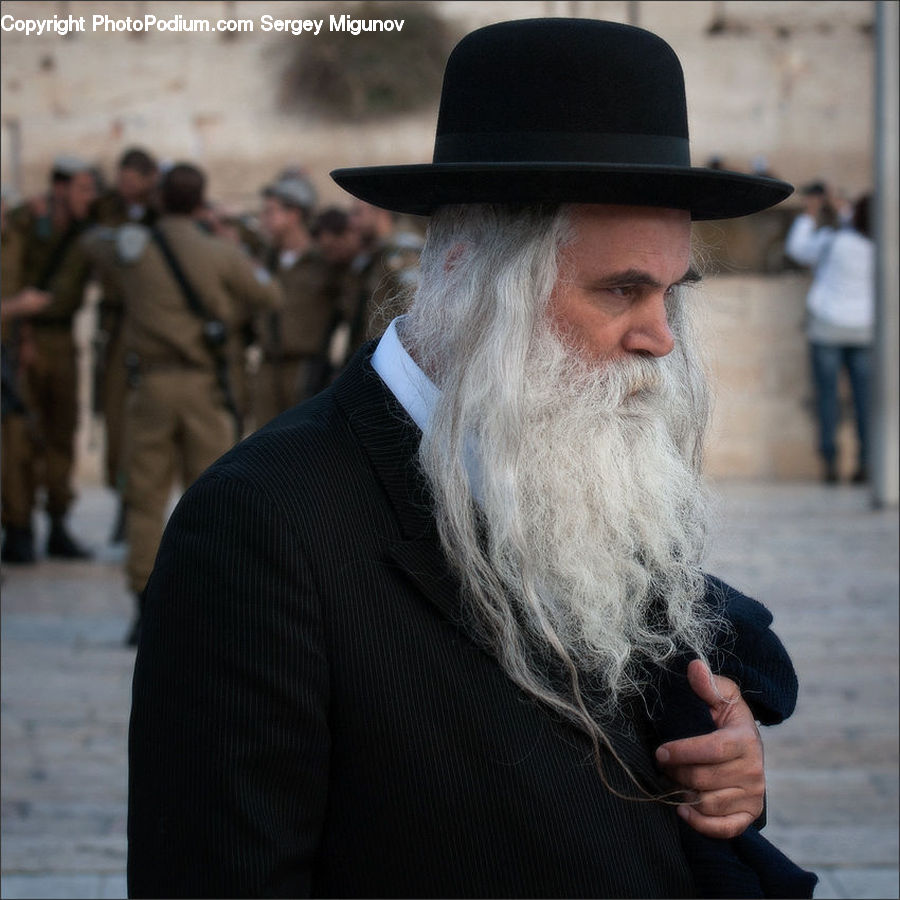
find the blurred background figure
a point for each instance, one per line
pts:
(759, 165)
(337, 241)
(183, 292)
(382, 277)
(840, 314)
(243, 231)
(131, 199)
(17, 429)
(47, 256)
(293, 339)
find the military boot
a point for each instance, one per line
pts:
(18, 545)
(61, 544)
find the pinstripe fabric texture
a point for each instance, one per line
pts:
(311, 716)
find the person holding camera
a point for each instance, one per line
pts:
(182, 291)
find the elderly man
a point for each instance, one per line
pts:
(442, 631)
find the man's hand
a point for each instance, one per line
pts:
(26, 302)
(723, 769)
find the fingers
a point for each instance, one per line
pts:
(721, 827)
(749, 778)
(715, 748)
(723, 771)
(724, 803)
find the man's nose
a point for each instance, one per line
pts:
(649, 330)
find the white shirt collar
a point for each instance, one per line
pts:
(416, 393)
(413, 389)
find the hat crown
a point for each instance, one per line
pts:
(563, 111)
(581, 89)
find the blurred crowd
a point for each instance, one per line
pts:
(209, 324)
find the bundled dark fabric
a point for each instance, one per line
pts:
(751, 655)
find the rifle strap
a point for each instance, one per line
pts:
(195, 304)
(59, 254)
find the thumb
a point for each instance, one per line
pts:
(706, 686)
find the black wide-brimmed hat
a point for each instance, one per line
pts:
(563, 111)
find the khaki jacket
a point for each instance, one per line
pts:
(160, 329)
(39, 244)
(300, 329)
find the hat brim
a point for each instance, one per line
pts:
(420, 189)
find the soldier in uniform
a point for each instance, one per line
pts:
(382, 277)
(294, 340)
(242, 230)
(17, 434)
(182, 290)
(51, 259)
(130, 200)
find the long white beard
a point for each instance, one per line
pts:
(590, 512)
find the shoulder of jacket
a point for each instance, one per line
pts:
(131, 240)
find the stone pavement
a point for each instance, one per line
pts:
(821, 559)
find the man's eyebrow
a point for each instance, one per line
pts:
(640, 277)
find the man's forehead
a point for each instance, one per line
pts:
(611, 240)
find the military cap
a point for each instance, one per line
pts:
(292, 192)
(68, 165)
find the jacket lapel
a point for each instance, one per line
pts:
(391, 441)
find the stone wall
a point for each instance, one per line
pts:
(763, 424)
(788, 81)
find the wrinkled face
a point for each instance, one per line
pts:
(81, 191)
(617, 276)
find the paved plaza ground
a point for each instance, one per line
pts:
(821, 559)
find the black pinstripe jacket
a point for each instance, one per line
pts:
(311, 715)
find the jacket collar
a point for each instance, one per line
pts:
(391, 441)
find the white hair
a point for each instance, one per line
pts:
(567, 494)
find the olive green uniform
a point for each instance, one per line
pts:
(112, 210)
(50, 383)
(176, 421)
(17, 436)
(294, 340)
